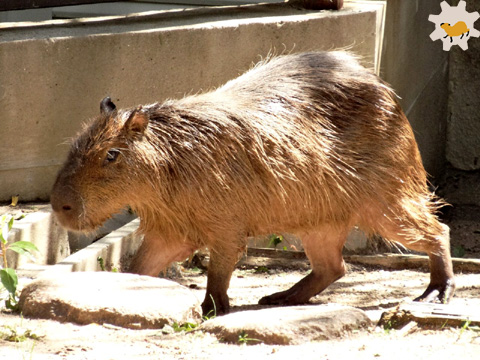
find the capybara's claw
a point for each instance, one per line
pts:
(441, 294)
(272, 300)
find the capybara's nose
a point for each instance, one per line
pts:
(61, 206)
(65, 207)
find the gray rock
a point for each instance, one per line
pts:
(288, 325)
(126, 300)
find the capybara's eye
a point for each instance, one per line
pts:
(112, 155)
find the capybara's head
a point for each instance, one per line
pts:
(97, 180)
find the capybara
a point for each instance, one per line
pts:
(311, 144)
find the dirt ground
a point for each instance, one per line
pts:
(373, 290)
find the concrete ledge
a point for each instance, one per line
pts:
(357, 241)
(115, 248)
(41, 229)
(117, 245)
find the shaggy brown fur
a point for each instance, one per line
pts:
(311, 144)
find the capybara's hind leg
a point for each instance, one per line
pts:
(442, 284)
(435, 241)
(324, 250)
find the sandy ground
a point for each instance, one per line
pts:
(372, 290)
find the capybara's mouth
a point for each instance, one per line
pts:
(80, 224)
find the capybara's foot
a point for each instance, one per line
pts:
(442, 282)
(215, 305)
(300, 293)
(438, 293)
(283, 298)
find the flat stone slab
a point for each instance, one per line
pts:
(126, 300)
(288, 325)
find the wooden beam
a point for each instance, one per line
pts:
(430, 314)
(317, 4)
(276, 254)
(399, 262)
(389, 261)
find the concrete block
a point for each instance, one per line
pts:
(414, 65)
(463, 146)
(357, 242)
(79, 241)
(42, 229)
(429, 115)
(113, 248)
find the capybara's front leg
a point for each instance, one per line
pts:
(220, 269)
(324, 250)
(155, 254)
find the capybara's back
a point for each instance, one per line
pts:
(311, 144)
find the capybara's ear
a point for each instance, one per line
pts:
(137, 122)
(107, 106)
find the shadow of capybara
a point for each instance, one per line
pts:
(312, 144)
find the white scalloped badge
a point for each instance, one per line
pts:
(454, 25)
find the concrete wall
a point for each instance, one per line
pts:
(417, 68)
(53, 75)
(463, 146)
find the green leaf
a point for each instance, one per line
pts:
(24, 248)
(9, 279)
(3, 229)
(12, 303)
(10, 223)
(101, 262)
(458, 251)
(184, 327)
(275, 240)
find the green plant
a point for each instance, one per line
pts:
(101, 262)
(458, 251)
(212, 313)
(187, 327)
(261, 270)
(467, 327)
(17, 334)
(209, 316)
(8, 276)
(244, 339)
(275, 240)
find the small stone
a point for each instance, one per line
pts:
(126, 300)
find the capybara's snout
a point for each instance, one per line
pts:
(67, 207)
